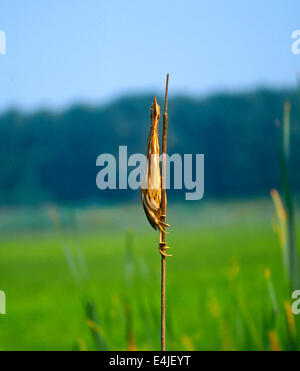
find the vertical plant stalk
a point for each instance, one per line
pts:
(288, 201)
(163, 218)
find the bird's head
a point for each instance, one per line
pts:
(155, 111)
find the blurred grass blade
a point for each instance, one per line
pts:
(129, 263)
(274, 342)
(292, 255)
(78, 267)
(272, 293)
(281, 228)
(286, 129)
(130, 339)
(291, 326)
(82, 347)
(92, 322)
(271, 318)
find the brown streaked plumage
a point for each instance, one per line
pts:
(151, 187)
(151, 192)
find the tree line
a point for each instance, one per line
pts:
(49, 156)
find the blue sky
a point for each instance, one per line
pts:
(61, 52)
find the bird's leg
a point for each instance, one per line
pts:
(163, 246)
(163, 223)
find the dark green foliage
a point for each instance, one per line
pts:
(50, 156)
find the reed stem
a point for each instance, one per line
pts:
(164, 217)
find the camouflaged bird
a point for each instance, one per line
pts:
(151, 185)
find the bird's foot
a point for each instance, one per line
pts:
(163, 247)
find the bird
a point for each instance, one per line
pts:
(151, 185)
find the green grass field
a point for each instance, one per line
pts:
(219, 295)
